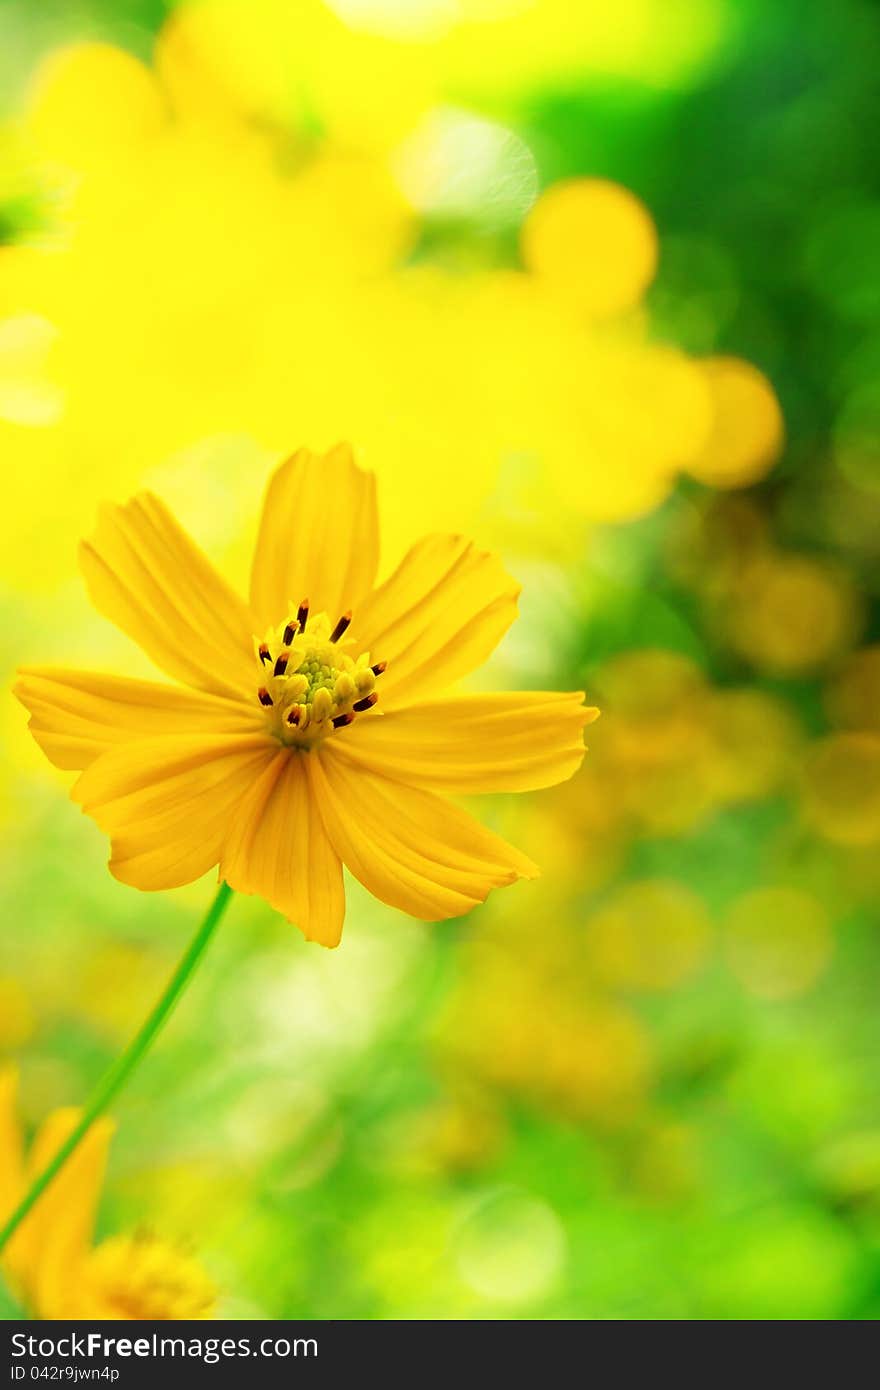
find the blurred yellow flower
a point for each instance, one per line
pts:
(275, 762)
(197, 208)
(51, 1262)
(383, 60)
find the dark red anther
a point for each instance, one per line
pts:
(379, 667)
(302, 614)
(265, 697)
(342, 719)
(265, 654)
(366, 703)
(340, 627)
(289, 632)
(281, 663)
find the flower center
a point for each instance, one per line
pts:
(312, 683)
(142, 1278)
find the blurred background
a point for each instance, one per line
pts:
(600, 286)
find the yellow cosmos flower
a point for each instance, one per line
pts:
(51, 1263)
(316, 729)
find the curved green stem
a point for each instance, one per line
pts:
(111, 1084)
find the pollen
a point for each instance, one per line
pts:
(319, 684)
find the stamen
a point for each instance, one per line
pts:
(364, 680)
(322, 704)
(313, 686)
(340, 627)
(344, 688)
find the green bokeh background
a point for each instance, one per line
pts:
(293, 1127)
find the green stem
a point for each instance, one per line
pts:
(110, 1086)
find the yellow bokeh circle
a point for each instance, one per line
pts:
(755, 744)
(651, 935)
(747, 430)
(791, 614)
(853, 699)
(842, 788)
(593, 243)
(777, 941)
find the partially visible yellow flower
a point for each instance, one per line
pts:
(317, 729)
(51, 1262)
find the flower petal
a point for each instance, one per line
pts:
(440, 614)
(148, 577)
(78, 715)
(11, 1146)
(318, 538)
(475, 743)
(411, 849)
(278, 849)
(167, 803)
(55, 1237)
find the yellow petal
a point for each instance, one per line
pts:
(440, 615)
(56, 1235)
(278, 849)
(475, 743)
(77, 715)
(11, 1148)
(167, 803)
(146, 575)
(411, 849)
(318, 538)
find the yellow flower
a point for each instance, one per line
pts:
(316, 729)
(51, 1262)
